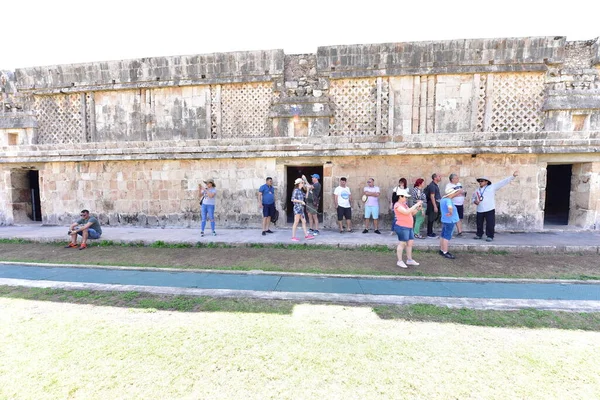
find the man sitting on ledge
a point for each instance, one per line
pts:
(87, 226)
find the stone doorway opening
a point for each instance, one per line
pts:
(293, 172)
(558, 194)
(25, 196)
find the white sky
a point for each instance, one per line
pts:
(49, 32)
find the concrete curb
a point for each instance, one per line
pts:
(418, 245)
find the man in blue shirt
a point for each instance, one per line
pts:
(266, 202)
(449, 216)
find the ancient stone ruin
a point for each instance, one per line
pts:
(131, 140)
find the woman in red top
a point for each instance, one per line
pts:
(404, 227)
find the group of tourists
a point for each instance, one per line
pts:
(410, 209)
(448, 209)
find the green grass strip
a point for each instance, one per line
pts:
(526, 318)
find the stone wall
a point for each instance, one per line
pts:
(6, 209)
(518, 205)
(165, 193)
(151, 193)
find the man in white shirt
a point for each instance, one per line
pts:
(342, 198)
(372, 205)
(485, 200)
(458, 200)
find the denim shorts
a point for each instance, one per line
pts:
(447, 229)
(404, 234)
(92, 234)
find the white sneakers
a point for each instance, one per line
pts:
(401, 263)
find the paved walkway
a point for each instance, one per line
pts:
(472, 293)
(554, 241)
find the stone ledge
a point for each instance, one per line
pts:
(547, 143)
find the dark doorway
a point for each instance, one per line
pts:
(294, 172)
(34, 189)
(558, 194)
(25, 188)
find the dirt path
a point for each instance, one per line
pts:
(563, 266)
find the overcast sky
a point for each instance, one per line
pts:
(38, 33)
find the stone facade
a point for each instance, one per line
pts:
(131, 140)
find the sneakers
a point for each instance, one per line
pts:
(432, 235)
(264, 233)
(214, 233)
(309, 237)
(447, 255)
(401, 264)
(459, 234)
(489, 239)
(83, 246)
(351, 231)
(412, 262)
(477, 237)
(315, 232)
(269, 231)
(71, 246)
(202, 234)
(366, 231)
(377, 231)
(295, 239)
(419, 236)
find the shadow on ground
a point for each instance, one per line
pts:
(529, 318)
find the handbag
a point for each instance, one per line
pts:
(275, 217)
(202, 200)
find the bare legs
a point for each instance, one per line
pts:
(313, 220)
(400, 249)
(444, 245)
(84, 237)
(265, 223)
(297, 218)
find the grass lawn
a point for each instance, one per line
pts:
(53, 347)
(369, 260)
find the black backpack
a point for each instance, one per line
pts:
(395, 198)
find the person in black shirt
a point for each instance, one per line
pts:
(312, 204)
(433, 203)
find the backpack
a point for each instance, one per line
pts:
(275, 217)
(395, 197)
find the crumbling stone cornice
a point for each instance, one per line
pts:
(426, 144)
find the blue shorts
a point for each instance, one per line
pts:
(269, 210)
(92, 234)
(447, 229)
(404, 234)
(372, 211)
